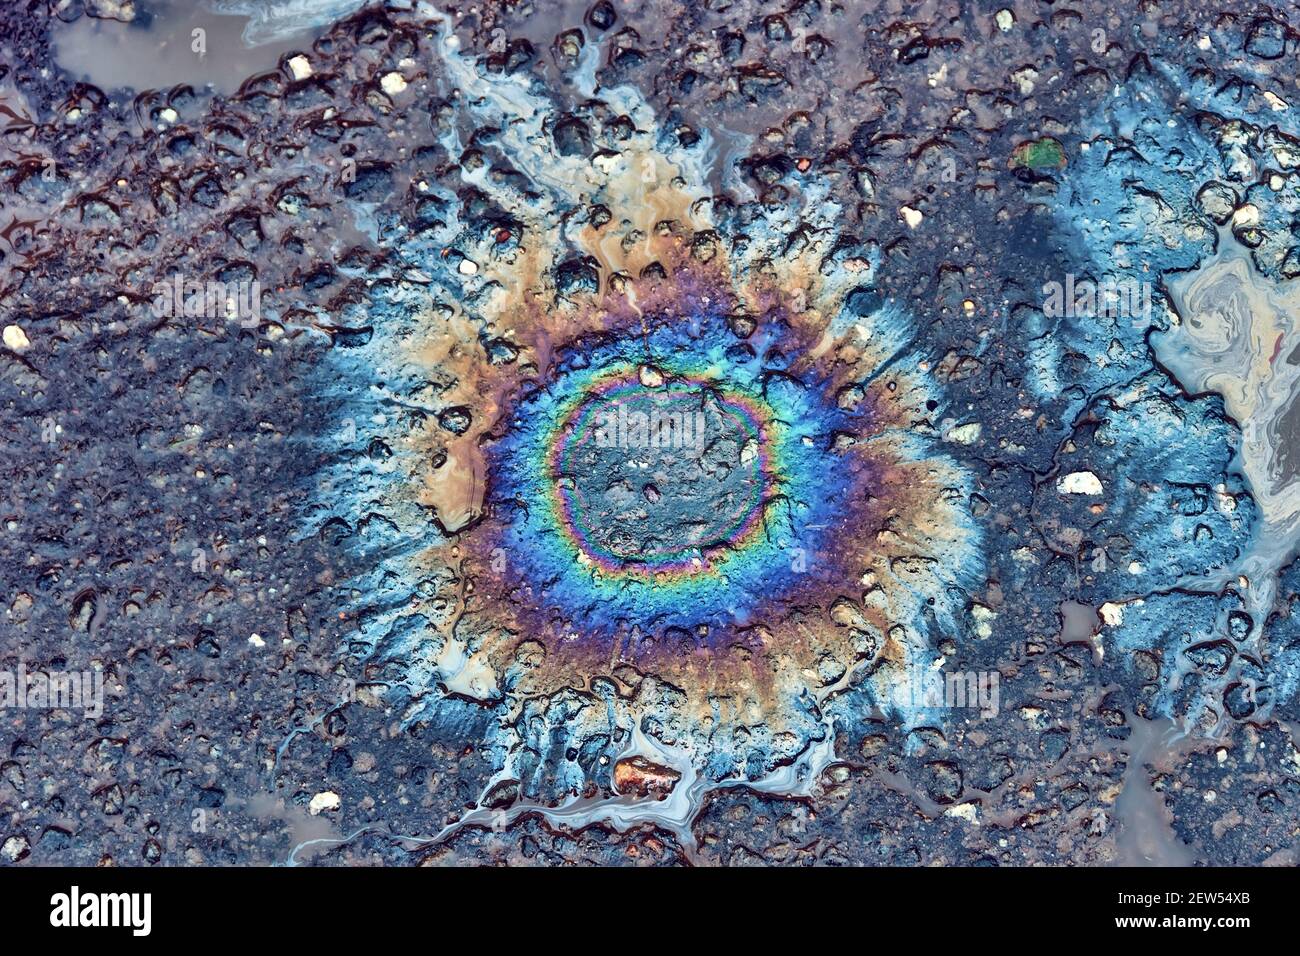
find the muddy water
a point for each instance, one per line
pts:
(1145, 834)
(158, 49)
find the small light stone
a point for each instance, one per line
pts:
(325, 800)
(1246, 215)
(983, 618)
(300, 67)
(1079, 483)
(15, 338)
(393, 83)
(15, 848)
(965, 811)
(965, 434)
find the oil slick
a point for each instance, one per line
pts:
(1238, 336)
(594, 252)
(272, 21)
(1214, 526)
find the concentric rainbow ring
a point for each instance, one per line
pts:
(776, 548)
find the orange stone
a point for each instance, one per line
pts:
(640, 776)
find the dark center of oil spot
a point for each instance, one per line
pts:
(653, 476)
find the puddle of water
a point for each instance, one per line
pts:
(158, 49)
(1147, 836)
(308, 834)
(1079, 622)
